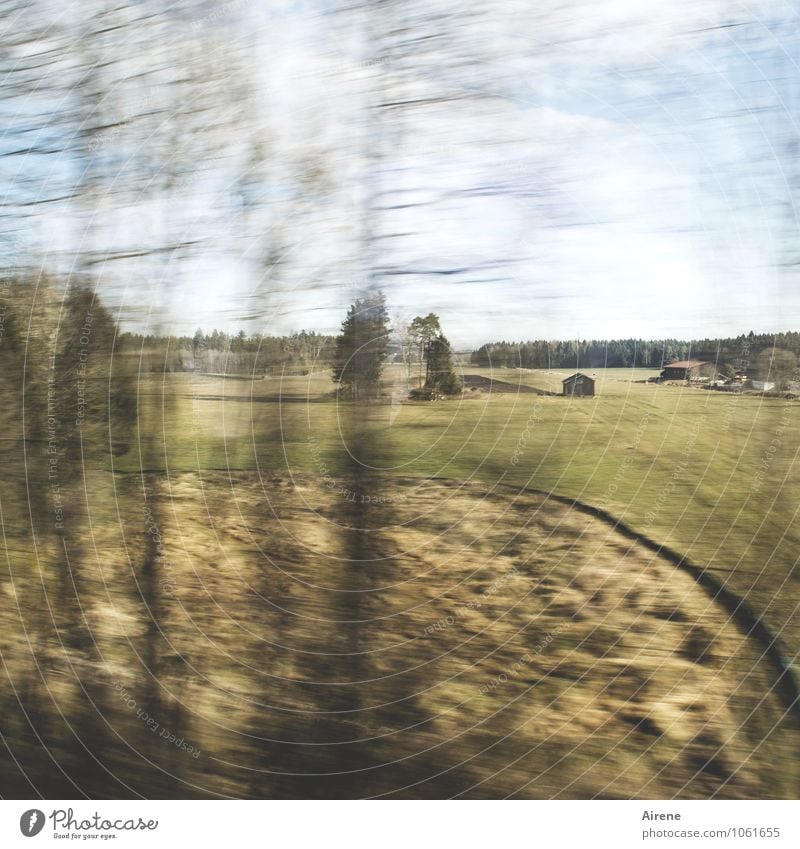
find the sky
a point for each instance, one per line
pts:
(589, 170)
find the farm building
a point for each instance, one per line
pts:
(578, 384)
(688, 370)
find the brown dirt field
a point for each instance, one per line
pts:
(457, 641)
(478, 381)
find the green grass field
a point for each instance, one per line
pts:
(712, 475)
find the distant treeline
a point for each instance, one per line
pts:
(223, 353)
(739, 351)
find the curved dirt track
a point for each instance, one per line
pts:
(414, 639)
(444, 640)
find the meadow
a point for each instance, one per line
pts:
(257, 589)
(711, 475)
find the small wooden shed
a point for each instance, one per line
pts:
(578, 384)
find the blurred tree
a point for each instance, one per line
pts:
(119, 120)
(362, 347)
(405, 342)
(777, 366)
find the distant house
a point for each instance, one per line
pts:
(578, 384)
(763, 385)
(688, 370)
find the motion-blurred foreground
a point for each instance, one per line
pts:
(567, 663)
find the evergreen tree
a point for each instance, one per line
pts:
(362, 347)
(440, 376)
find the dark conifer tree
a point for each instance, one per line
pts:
(362, 347)
(440, 376)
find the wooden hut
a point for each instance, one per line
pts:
(578, 384)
